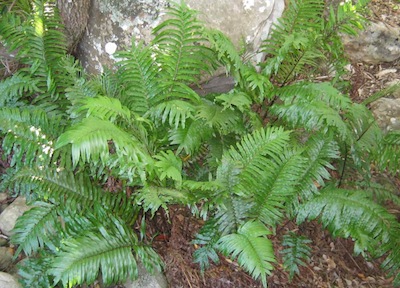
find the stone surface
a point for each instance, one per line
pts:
(387, 113)
(378, 43)
(147, 280)
(3, 196)
(10, 215)
(116, 22)
(8, 281)
(6, 260)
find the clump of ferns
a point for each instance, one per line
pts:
(147, 128)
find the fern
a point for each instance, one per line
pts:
(296, 249)
(350, 213)
(181, 61)
(37, 228)
(138, 77)
(98, 252)
(253, 250)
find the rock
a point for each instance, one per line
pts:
(3, 241)
(113, 23)
(3, 197)
(10, 215)
(387, 113)
(147, 280)
(378, 43)
(8, 281)
(396, 92)
(6, 258)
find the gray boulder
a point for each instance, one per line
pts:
(387, 113)
(10, 215)
(8, 281)
(6, 258)
(378, 43)
(147, 280)
(113, 23)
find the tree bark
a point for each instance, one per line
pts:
(75, 15)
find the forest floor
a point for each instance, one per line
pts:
(333, 263)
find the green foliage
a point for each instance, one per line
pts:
(295, 251)
(244, 161)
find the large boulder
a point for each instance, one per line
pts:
(147, 280)
(8, 281)
(9, 216)
(378, 43)
(387, 113)
(114, 23)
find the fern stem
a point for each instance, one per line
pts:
(344, 166)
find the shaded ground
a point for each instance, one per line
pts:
(332, 263)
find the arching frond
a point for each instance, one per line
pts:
(37, 228)
(29, 136)
(388, 154)
(251, 247)
(351, 213)
(108, 254)
(138, 76)
(90, 141)
(14, 88)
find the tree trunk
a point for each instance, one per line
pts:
(75, 15)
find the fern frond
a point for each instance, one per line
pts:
(80, 260)
(350, 213)
(388, 154)
(169, 166)
(182, 59)
(320, 151)
(207, 237)
(90, 142)
(28, 136)
(33, 271)
(251, 247)
(217, 117)
(102, 107)
(175, 112)
(191, 137)
(154, 197)
(37, 228)
(297, 250)
(138, 76)
(14, 88)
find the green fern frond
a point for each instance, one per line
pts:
(319, 151)
(154, 197)
(182, 59)
(175, 112)
(278, 180)
(14, 88)
(28, 136)
(226, 51)
(80, 260)
(351, 213)
(207, 237)
(388, 154)
(191, 137)
(217, 117)
(254, 251)
(296, 252)
(169, 166)
(33, 271)
(138, 76)
(90, 142)
(76, 192)
(269, 141)
(37, 228)
(102, 107)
